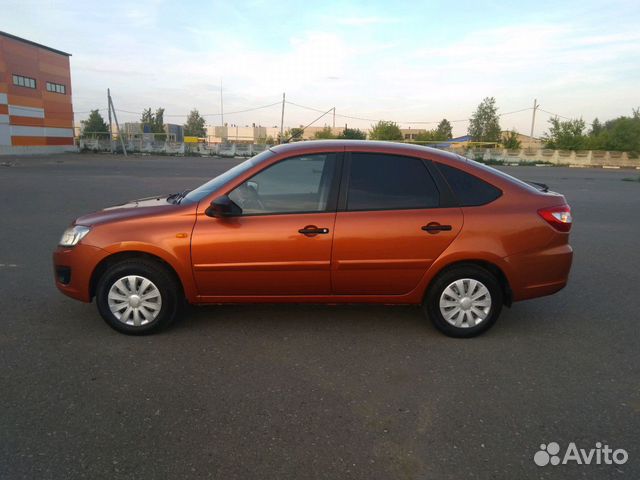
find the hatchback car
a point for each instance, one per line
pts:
(326, 222)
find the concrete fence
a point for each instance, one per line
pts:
(174, 148)
(580, 158)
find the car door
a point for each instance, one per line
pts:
(281, 243)
(392, 224)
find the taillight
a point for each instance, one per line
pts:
(558, 217)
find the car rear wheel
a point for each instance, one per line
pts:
(464, 301)
(137, 297)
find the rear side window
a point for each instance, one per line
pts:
(389, 182)
(468, 189)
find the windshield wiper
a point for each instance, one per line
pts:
(172, 198)
(177, 197)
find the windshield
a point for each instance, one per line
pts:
(214, 184)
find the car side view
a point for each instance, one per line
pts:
(326, 222)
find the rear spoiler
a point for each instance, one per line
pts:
(541, 186)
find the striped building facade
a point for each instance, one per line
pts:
(36, 112)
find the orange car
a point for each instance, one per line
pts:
(326, 222)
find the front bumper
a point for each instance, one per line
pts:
(73, 267)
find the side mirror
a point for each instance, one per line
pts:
(223, 207)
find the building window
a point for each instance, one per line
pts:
(21, 81)
(56, 88)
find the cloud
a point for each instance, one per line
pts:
(365, 21)
(386, 64)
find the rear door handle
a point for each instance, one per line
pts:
(435, 227)
(313, 230)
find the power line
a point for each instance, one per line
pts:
(308, 125)
(515, 111)
(401, 122)
(244, 111)
(563, 117)
(306, 107)
(207, 114)
(78, 113)
(46, 110)
(554, 114)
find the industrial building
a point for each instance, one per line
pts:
(238, 134)
(138, 131)
(36, 112)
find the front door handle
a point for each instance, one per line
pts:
(435, 227)
(313, 230)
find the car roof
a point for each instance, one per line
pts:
(365, 145)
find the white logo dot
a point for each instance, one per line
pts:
(541, 458)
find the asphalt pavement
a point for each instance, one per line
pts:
(303, 392)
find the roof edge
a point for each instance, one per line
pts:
(35, 44)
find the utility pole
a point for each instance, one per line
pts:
(110, 126)
(282, 120)
(334, 117)
(115, 117)
(533, 120)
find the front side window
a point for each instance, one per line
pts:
(295, 185)
(218, 182)
(390, 182)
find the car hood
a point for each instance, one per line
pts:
(133, 209)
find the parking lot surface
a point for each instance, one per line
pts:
(297, 392)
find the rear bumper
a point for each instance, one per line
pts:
(540, 273)
(73, 267)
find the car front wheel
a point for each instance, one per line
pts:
(464, 301)
(137, 297)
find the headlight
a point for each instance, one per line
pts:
(73, 235)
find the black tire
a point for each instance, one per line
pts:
(163, 280)
(431, 304)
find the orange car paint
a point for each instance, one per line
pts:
(373, 257)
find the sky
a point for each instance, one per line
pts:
(405, 61)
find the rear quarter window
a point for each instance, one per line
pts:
(470, 190)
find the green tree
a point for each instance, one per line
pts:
(442, 132)
(384, 130)
(566, 134)
(155, 122)
(353, 134)
(147, 117)
(429, 136)
(158, 123)
(293, 135)
(95, 126)
(596, 128)
(195, 125)
(510, 140)
(485, 122)
(324, 134)
(623, 134)
(445, 132)
(620, 134)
